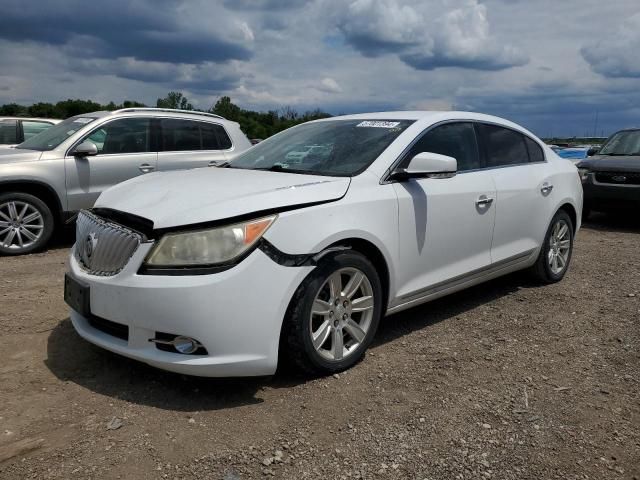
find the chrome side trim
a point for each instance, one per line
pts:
(461, 282)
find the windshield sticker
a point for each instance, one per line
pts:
(83, 120)
(378, 124)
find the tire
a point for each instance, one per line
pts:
(543, 270)
(333, 321)
(18, 237)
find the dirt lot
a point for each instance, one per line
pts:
(506, 380)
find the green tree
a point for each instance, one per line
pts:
(13, 110)
(225, 108)
(174, 100)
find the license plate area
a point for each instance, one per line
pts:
(76, 295)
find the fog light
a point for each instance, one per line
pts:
(168, 342)
(185, 344)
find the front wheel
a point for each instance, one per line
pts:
(26, 223)
(334, 315)
(555, 253)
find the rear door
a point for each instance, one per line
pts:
(524, 190)
(446, 224)
(126, 149)
(191, 144)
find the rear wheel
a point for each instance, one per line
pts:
(334, 315)
(555, 253)
(26, 223)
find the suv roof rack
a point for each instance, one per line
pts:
(174, 110)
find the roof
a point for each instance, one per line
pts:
(428, 116)
(149, 110)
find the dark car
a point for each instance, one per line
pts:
(611, 175)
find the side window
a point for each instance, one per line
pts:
(457, 140)
(31, 128)
(503, 146)
(214, 137)
(8, 131)
(535, 151)
(127, 135)
(180, 135)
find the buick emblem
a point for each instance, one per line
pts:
(619, 178)
(89, 247)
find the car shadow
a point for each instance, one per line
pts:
(436, 311)
(71, 358)
(622, 222)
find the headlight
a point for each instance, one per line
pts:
(208, 247)
(583, 172)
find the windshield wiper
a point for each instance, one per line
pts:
(280, 168)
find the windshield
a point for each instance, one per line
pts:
(623, 143)
(54, 136)
(333, 147)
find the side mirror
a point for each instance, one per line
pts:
(85, 149)
(427, 164)
(592, 151)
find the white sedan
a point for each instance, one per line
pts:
(227, 271)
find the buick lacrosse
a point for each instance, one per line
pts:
(277, 256)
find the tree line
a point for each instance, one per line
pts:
(254, 124)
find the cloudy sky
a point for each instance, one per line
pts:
(552, 65)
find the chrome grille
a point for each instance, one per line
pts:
(103, 248)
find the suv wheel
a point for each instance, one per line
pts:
(26, 223)
(555, 254)
(334, 314)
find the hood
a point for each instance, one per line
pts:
(606, 163)
(172, 199)
(13, 155)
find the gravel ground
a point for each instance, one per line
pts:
(506, 380)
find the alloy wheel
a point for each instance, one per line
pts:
(342, 314)
(21, 225)
(559, 247)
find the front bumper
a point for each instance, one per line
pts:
(236, 314)
(607, 196)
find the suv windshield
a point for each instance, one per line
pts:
(54, 136)
(622, 143)
(331, 147)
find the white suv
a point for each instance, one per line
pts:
(47, 179)
(219, 272)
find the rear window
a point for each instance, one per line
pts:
(503, 146)
(535, 151)
(32, 128)
(8, 131)
(187, 135)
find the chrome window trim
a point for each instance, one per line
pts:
(385, 177)
(152, 117)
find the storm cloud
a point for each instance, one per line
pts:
(545, 64)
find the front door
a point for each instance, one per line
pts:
(124, 151)
(446, 224)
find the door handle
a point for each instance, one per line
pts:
(546, 188)
(146, 168)
(215, 163)
(484, 201)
